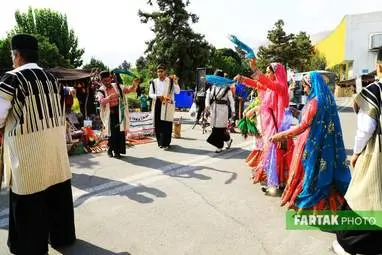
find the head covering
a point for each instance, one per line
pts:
(219, 72)
(104, 74)
(282, 82)
(24, 42)
(324, 149)
(161, 66)
(379, 56)
(306, 78)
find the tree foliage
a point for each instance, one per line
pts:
(125, 65)
(95, 63)
(54, 26)
(228, 60)
(175, 44)
(294, 51)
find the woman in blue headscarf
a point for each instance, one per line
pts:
(319, 174)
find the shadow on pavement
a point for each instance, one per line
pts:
(83, 161)
(108, 187)
(84, 248)
(178, 170)
(346, 109)
(187, 150)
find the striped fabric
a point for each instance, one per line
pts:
(35, 154)
(365, 189)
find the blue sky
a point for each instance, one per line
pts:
(111, 30)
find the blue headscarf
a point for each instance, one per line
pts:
(324, 158)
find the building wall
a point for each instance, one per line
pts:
(358, 31)
(333, 46)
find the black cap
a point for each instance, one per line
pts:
(379, 56)
(24, 42)
(104, 74)
(161, 66)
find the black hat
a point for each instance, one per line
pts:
(379, 56)
(161, 66)
(24, 42)
(219, 72)
(104, 74)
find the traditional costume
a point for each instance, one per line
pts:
(114, 113)
(365, 189)
(319, 174)
(273, 160)
(217, 99)
(36, 162)
(163, 112)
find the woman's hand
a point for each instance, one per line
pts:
(277, 137)
(238, 78)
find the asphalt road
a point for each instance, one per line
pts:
(188, 200)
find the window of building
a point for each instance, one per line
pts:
(375, 41)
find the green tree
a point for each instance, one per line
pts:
(175, 44)
(5, 54)
(294, 51)
(125, 65)
(318, 61)
(228, 60)
(95, 63)
(54, 26)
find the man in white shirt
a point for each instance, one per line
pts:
(365, 189)
(162, 92)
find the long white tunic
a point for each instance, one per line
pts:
(219, 112)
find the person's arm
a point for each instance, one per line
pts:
(208, 98)
(7, 91)
(365, 129)
(104, 100)
(231, 102)
(176, 85)
(131, 88)
(5, 106)
(305, 123)
(151, 91)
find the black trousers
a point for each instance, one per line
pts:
(218, 137)
(201, 106)
(163, 129)
(41, 217)
(366, 242)
(117, 140)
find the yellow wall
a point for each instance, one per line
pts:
(333, 46)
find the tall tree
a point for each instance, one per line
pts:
(175, 43)
(124, 65)
(141, 64)
(54, 26)
(294, 51)
(95, 63)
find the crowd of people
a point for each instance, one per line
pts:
(305, 164)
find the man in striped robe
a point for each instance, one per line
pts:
(365, 189)
(36, 164)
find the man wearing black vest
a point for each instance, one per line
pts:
(162, 92)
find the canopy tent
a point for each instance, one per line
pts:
(67, 74)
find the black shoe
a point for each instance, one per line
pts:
(117, 155)
(229, 143)
(110, 154)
